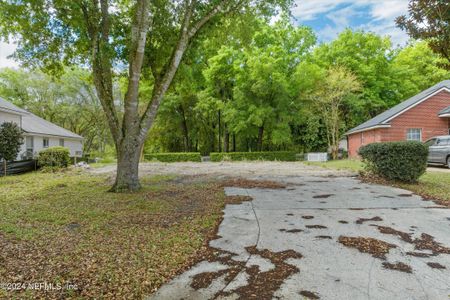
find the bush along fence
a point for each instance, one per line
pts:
(239, 156)
(54, 158)
(17, 167)
(173, 157)
(401, 161)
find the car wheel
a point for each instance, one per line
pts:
(448, 162)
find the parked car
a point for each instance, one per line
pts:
(439, 150)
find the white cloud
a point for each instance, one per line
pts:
(381, 12)
(6, 50)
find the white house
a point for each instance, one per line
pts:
(39, 133)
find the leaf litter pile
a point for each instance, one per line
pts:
(106, 245)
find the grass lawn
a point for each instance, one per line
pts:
(344, 164)
(66, 228)
(431, 185)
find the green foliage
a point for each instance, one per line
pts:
(265, 155)
(402, 161)
(10, 141)
(54, 158)
(429, 20)
(173, 157)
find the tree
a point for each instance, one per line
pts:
(148, 37)
(415, 68)
(328, 98)
(429, 20)
(264, 103)
(10, 141)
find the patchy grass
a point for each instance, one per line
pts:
(433, 185)
(61, 228)
(342, 164)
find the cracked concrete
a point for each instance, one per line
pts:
(328, 268)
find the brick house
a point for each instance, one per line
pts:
(419, 118)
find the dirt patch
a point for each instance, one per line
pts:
(435, 265)
(323, 196)
(326, 237)
(425, 242)
(294, 230)
(316, 226)
(376, 248)
(362, 220)
(262, 285)
(203, 280)
(307, 217)
(418, 254)
(309, 295)
(237, 199)
(399, 266)
(250, 184)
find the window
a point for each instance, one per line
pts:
(61, 142)
(442, 142)
(45, 142)
(29, 142)
(414, 134)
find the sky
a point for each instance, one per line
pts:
(329, 17)
(326, 17)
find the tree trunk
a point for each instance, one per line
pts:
(234, 142)
(220, 133)
(128, 156)
(226, 140)
(184, 128)
(260, 138)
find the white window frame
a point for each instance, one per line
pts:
(414, 134)
(61, 142)
(45, 142)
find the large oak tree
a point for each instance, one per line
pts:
(149, 37)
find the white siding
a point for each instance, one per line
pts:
(7, 117)
(75, 146)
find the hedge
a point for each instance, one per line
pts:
(173, 157)
(402, 161)
(238, 156)
(54, 157)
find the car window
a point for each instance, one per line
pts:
(430, 142)
(442, 142)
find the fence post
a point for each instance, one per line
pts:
(4, 166)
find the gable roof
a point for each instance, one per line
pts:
(382, 119)
(445, 111)
(36, 125)
(9, 107)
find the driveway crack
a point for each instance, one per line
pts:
(250, 255)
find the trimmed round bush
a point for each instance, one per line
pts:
(54, 157)
(401, 161)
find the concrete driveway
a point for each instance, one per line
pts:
(327, 238)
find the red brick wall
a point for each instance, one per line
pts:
(423, 115)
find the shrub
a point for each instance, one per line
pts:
(238, 156)
(402, 161)
(10, 141)
(54, 158)
(173, 157)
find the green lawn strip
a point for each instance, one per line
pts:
(344, 164)
(68, 228)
